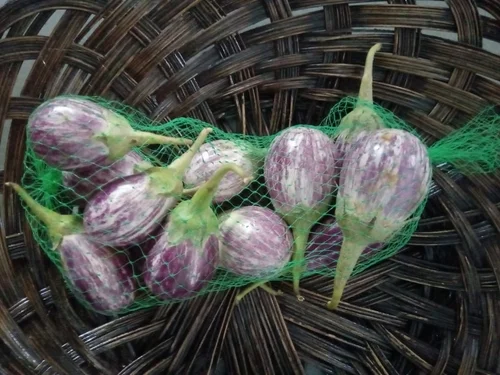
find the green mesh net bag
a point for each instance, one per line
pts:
(136, 214)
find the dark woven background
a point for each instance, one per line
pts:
(257, 67)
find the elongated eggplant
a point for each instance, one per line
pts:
(299, 171)
(98, 274)
(185, 256)
(75, 133)
(385, 177)
(254, 241)
(127, 210)
(87, 182)
(214, 154)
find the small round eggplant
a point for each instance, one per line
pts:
(299, 171)
(87, 182)
(385, 177)
(74, 133)
(214, 154)
(126, 211)
(181, 270)
(99, 275)
(186, 255)
(324, 246)
(254, 241)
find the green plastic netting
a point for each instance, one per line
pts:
(471, 149)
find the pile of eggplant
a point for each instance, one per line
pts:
(153, 228)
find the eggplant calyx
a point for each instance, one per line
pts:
(194, 219)
(120, 138)
(206, 192)
(368, 228)
(167, 181)
(196, 224)
(57, 225)
(120, 145)
(164, 181)
(182, 163)
(363, 117)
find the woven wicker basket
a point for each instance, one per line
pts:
(257, 67)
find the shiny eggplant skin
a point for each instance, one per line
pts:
(87, 181)
(385, 176)
(175, 271)
(100, 275)
(211, 156)
(299, 171)
(254, 241)
(124, 212)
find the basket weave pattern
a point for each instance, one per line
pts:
(257, 67)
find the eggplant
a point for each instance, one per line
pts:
(254, 241)
(83, 184)
(385, 177)
(299, 173)
(325, 242)
(71, 133)
(125, 211)
(185, 256)
(214, 154)
(100, 275)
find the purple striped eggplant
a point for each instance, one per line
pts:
(254, 241)
(325, 242)
(85, 183)
(299, 172)
(75, 133)
(185, 256)
(385, 177)
(99, 275)
(214, 154)
(125, 211)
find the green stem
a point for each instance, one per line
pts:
(142, 167)
(349, 255)
(168, 181)
(44, 214)
(247, 290)
(270, 290)
(204, 196)
(119, 144)
(57, 225)
(190, 191)
(301, 235)
(182, 163)
(194, 218)
(164, 181)
(139, 138)
(363, 117)
(366, 88)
